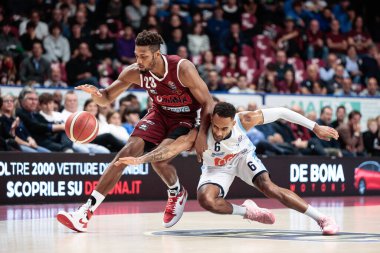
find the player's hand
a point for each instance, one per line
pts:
(128, 161)
(91, 89)
(200, 145)
(325, 133)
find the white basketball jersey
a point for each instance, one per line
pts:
(227, 151)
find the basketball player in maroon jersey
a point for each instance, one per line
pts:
(177, 92)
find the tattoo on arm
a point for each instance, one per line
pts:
(159, 154)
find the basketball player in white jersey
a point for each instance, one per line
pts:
(230, 153)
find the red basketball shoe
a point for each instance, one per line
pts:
(174, 207)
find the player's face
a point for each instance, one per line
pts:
(145, 58)
(221, 127)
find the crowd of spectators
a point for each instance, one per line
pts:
(289, 46)
(269, 46)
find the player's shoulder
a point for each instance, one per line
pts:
(130, 72)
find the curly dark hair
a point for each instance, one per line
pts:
(224, 110)
(151, 39)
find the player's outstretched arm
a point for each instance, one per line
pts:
(189, 77)
(130, 75)
(264, 116)
(183, 143)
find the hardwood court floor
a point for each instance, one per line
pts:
(36, 230)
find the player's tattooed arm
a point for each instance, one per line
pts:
(162, 153)
(250, 119)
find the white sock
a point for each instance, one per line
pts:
(176, 187)
(314, 213)
(96, 199)
(238, 210)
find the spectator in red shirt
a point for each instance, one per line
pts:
(359, 38)
(288, 85)
(315, 39)
(231, 72)
(336, 41)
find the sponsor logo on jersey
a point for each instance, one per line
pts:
(154, 92)
(148, 121)
(172, 85)
(143, 127)
(173, 100)
(217, 154)
(223, 161)
(176, 109)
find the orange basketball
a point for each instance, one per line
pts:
(81, 127)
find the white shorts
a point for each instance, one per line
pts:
(247, 168)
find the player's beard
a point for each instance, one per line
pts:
(150, 67)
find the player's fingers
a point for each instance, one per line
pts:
(199, 158)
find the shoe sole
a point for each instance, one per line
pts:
(330, 232)
(171, 224)
(64, 220)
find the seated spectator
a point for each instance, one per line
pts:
(115, 127)
(81, 19)
(331, 147)
(370, 64)
(371, 138)
(182, 52)
(57, 98)
(358, 37)
(340, 115)
(267, 80)
(76, 39)
(125, 46)
(336, 83)
(242, 86)
(231, 72)
(302, 138)
(175, 41)
(7, 138)
(233, 40)
(103, 46)
(198, 41)
(336, 41)
(55, 81)
(57, 18)
(82, 67)
(232, 11)
(207, 65)
(149, 104)
(21, 134)
(106, 72)
(42, 29)
(27, 39)
(214, 82)
(45, 133)
(104, 138)
(9, 44)
(312, 81)
(114, 9)
(130, 118)
(8, 71)
(288, 85)
(350, 136)
(346, 89)
(282, 65)
(217, 26)
(315, 40)
(57, 47)
(372, 89)
(327, 72)
(289, 39)
(352, 64)
(134, 13)
(35, 70)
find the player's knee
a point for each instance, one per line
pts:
(206, 201)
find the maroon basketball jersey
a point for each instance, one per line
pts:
(168, 93)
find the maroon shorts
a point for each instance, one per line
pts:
(156, 126)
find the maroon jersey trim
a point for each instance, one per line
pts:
(166, 71)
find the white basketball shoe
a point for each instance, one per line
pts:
(77, 220)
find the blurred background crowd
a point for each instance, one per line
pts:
(249, 46)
